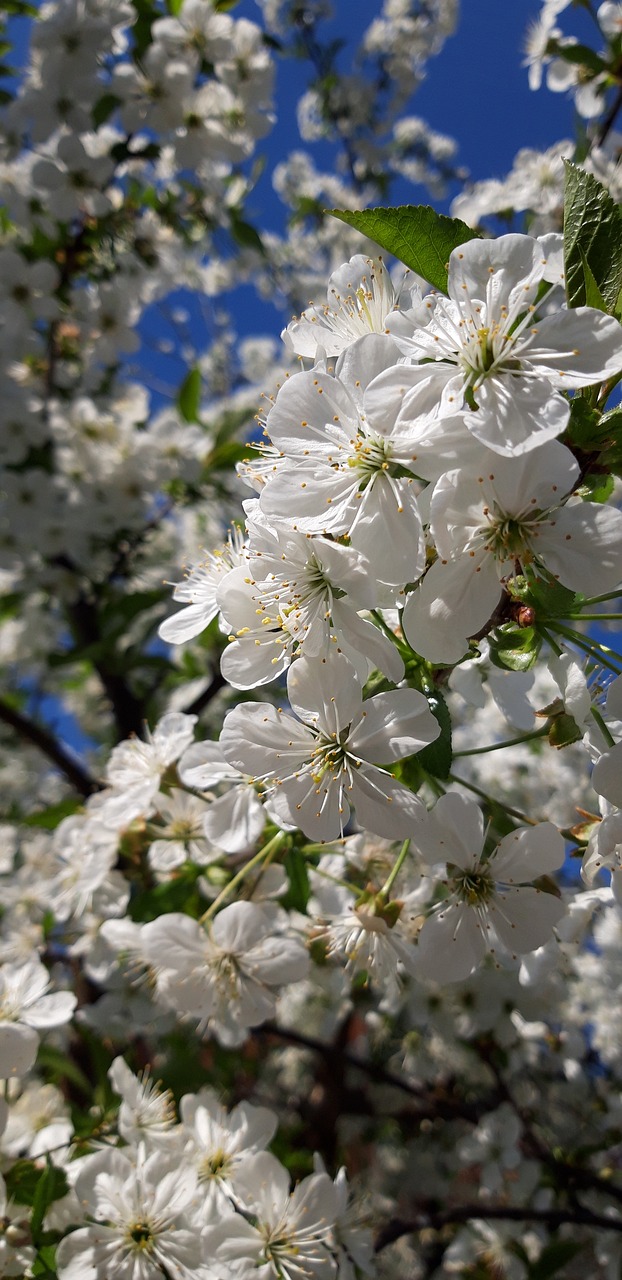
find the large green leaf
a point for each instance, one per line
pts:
(436, 758)
(421, 238)
(27, 1184)
(592, 241)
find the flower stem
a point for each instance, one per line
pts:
(513, 813)
(593, 617)
(395, 869)
(607, 595)
(509, 742)
(592, 647)
(344, 884)
(264, 856)
(553, 643)
(609, 738)
(384, 627)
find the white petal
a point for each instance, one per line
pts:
(453, 832)
(258, 741)
(582, 546)
(516, 414)
(18, 1049)
(524, 919)
(325, 693)
(577, 347)
(451, 944)
(526, 854)
(496, 271)
(454, 600)
(383, 805)
(235, 821)
(607, 775)
(393, 725)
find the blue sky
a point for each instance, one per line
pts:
(476, 91)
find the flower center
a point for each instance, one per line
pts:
(140, 1234)
(184, 829)
(215, 1165)
(370, 455)
(509, 537)
(328, 757)
(472, 887)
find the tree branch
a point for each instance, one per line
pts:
(203, 700)
(397, 1227)
(77, 775)
(128, 710)
(438, 1098)
(610, 118)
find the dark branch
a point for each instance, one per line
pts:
(572, 1177)
(77, 775)
(203, 700)
(128, 710)
(610, 118)
(397, 1227)
(439, 1099)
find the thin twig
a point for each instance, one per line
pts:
(77, 775)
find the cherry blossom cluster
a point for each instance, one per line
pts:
(331, 872)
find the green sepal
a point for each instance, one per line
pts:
(514, 648)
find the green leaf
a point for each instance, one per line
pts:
(28, 1184)
(611, 424)
(58, 1068)
(51, 817)
(44, 1265)
(554, 1256)
(593, 295)
(514, 648)
(226, 456)
(584, 424)
(596, 487)
(52, 1186)
(421, 238)
(104, 109)
(592, 237)
(582, 56)
(550, 599)
(437, 757)
(180, 894)
(246, 236)
(189, 395)
(21, 1181)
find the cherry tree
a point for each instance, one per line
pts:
(310, 736)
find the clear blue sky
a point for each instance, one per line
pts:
(476, 91)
